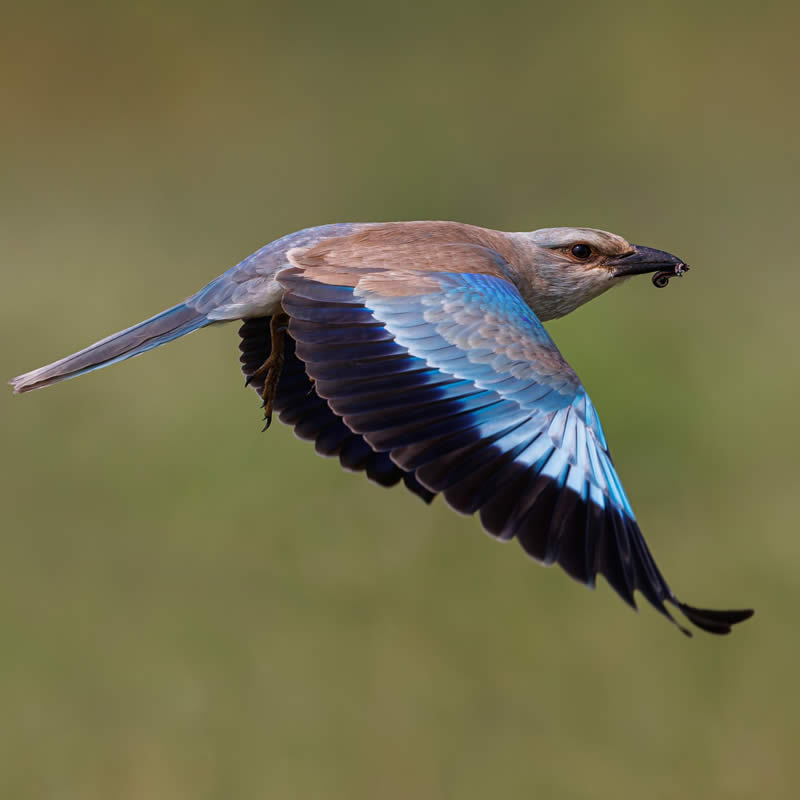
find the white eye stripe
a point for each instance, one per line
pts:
(601, 242)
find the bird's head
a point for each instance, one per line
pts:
(575, 265)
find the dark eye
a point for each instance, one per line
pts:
(581, 251)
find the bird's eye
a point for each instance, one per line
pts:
(581, 251)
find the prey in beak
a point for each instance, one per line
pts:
(643, 260)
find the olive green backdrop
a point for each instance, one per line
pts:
(191, 609)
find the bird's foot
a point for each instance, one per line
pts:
(273, 366)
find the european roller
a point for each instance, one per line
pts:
(415, 352)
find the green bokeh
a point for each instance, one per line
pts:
(190, 609)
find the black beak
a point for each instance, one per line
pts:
(644, 260)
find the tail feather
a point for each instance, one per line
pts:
(160, 329)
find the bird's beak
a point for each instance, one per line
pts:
(645, 259)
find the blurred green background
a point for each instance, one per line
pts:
(190, 609)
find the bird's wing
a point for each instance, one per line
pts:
(454, 376)
(298, 405)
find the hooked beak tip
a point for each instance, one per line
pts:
(643, 260)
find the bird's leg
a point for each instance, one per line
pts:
(278, 324)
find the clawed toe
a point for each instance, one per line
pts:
(272, 367)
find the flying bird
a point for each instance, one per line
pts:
(415, 352)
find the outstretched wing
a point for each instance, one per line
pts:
(455, 378)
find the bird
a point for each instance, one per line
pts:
(415, 352)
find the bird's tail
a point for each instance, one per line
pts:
(160, 329)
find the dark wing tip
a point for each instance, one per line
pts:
(413, 485)
(718, 622)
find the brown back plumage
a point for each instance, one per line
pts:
(396, 252)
